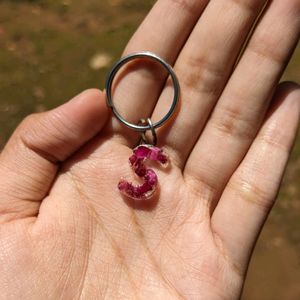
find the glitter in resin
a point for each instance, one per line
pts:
(139, 156)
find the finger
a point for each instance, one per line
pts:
(242, 106)
(251, 191)
(203, 68)
(30, 160)
(163, 32)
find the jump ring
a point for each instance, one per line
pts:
(109, 83)
(143, 135)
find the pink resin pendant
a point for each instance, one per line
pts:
(147, 189)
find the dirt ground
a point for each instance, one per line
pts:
(51, 50)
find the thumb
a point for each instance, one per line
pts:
(30, 160)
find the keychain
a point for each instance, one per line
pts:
(147, 150)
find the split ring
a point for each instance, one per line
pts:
(109, 84)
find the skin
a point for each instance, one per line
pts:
(65, 230)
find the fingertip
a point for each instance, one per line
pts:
(87, 95)
(88, 109)
(288, 87)
(282, 121)
(287, 98)
(90, 98)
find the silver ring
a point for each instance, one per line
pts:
(109, 83)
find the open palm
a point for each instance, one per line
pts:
(65, 230)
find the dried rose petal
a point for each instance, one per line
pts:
(151, 152)
(140, 155)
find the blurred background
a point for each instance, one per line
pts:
(52, 50)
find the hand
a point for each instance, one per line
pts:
(65, 231)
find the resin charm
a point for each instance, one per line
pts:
(137, 160)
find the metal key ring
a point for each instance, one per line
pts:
(112, 75)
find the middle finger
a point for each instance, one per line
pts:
(203, 68)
